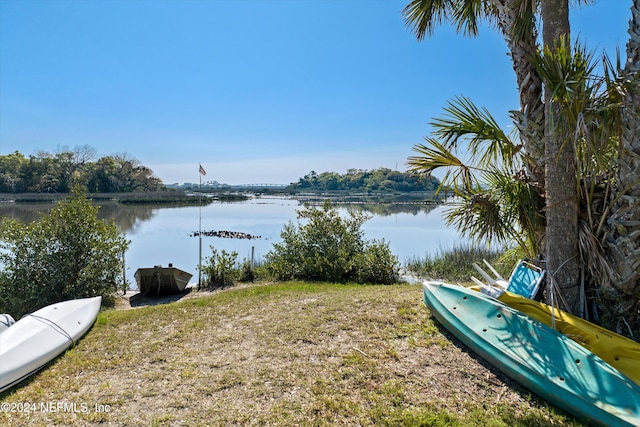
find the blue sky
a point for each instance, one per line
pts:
(257, 91)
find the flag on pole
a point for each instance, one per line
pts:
(202, 171)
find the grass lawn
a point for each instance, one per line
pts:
(274, 354)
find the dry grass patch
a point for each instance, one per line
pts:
(278, 354)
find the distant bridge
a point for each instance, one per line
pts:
(260, 185)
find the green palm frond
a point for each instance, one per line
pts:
(433, 156)
(484, 216)
(605, 107)
(565, 70)
(522, 204)
(423, 16)
(487, 142)
(479, 216)
(525, 24)
(467, 15)
(496, 201)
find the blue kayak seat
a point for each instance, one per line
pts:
(526, 280)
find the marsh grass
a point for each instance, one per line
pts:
(456, 264)
(277, 354)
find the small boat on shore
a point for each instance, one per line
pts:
(540, 358)
(160, 280)
(36, 339)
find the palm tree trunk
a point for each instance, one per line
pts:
(562, 205)
(622, 301)
(530, 118)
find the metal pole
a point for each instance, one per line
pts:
(124, 274)
(200, 235)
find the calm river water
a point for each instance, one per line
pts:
(163, 235)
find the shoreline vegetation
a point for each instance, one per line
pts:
(50, 177)
(180, 197)
(155, 197)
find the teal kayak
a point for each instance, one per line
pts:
(538, 357)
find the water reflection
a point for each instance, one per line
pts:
(387, 209)
(24, 212)
(161, 235)
(126, 217)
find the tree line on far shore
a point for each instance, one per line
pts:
(63, 171)
(45, 172)
(381, 179)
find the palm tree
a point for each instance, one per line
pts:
(544, 140)
(584, 110)
(562, 207)
(484, 166)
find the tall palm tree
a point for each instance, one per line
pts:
(484, 166)
(535, 120)
(572, 138)
(516, 20)
(562, 208)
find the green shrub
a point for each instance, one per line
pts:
(220, 269)
(67, 254)
(376, 264)
(327, 247)
(247, 272)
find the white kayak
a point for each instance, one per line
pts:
(37, 338)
